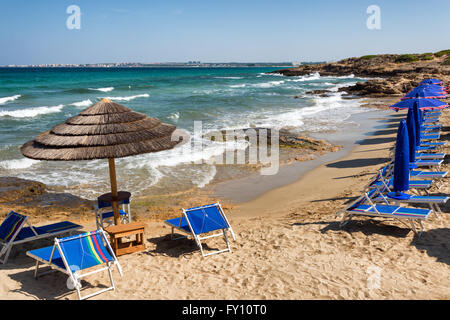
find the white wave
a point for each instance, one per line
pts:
(108, 89)
(17, 163)
(145, 95)
(268, 84)
(174, 116)
(310, 77)
(84, 103)
(8, 99)
(342, 85)
(272, 74)
(30, 112)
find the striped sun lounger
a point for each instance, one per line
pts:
(430, 156)
(13, 231)
(199, 221)
(74, 254)
(384, 195)
(364, 206)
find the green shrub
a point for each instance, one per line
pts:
(442, 53)
(407, 58)
(426, 56)
(446, 62)
(368, 57)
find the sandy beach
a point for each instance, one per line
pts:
(288, 246)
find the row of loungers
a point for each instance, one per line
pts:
(378, 200)
(74, 254)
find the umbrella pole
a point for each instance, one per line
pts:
(112, 176)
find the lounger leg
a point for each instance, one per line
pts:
(437, 210)
(422, 229)
(343, 222)
(36, 270)
(111, 277)
(79, 294)
(226, 240)
(413, 227)
(8, 251)
(199, 243)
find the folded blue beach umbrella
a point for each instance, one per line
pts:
(411, 125)
(431, 81)
(426, 91)
(423, 104)
(418, 122)
(401, 162)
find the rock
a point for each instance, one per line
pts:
(398, 78)
(287, 139)
(12, 189)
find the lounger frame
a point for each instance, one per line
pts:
(7, 246)
(349, 214)
(76, 277)
(198, 238)
(434, 206)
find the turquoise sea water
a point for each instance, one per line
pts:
(34, 100)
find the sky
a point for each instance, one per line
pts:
(35, 32)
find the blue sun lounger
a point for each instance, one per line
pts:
(203, 220)
(74, 254)
(364, 206)
(417, 174)
(433, 177)
(384, 195)
(385, 179)
(430, 156)
(13, 231)
(431, 136)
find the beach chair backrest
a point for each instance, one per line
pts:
(11, 225)
(85, 250)
(102, 204)
(206, 219)
(364, 199)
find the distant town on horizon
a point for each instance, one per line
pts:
(163, 64)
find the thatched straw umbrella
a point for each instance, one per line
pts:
(106, 130)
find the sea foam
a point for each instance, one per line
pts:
(17, 163)
(30, 112)
(108, 89)
(8, 99)
(145, 95)
(84, 103)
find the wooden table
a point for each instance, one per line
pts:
(118, 232)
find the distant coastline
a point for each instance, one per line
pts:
(191, 64)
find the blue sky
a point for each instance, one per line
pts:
(217, 30)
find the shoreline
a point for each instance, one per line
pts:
(252, 187)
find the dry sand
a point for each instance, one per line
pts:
(288, 246)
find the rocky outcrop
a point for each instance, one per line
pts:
(391, 76)
(287, 139)
(32, 198)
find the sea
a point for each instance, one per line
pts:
(33, 100)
